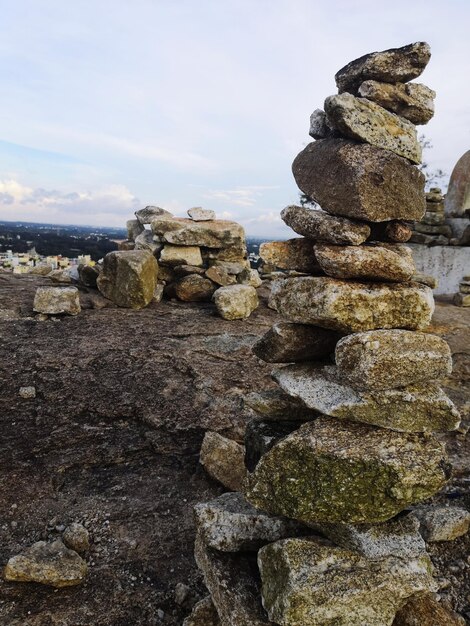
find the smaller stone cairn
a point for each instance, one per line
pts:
(345, 448)
(462, 298)
(432, 229)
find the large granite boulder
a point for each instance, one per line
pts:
(352, 306)
(360, 181)
(388, 262)
(396, 65)
(288, 343)
(414, 408)
(57, 300)
(309, 583)
(337, 471)
(383, 359)
(413, 101)
(320, 226)
(128, 278)
(293, 254)
(364, 120)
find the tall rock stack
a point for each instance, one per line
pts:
(347, 445)
(432, 230)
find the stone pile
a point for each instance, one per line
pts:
(323, 534)
(432, 229)
(462, 298)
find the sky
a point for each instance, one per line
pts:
(110, 105)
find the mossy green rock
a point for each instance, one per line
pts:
(334, 471)
(307, 582)
(129, 278)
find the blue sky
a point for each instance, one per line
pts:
(108, 106)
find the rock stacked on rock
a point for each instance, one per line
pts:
(360, 363)
(462, 298)
(432, 229)
(199, 258)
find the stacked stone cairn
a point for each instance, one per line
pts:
(432, 229)
(197, 259)
(462, 298)
(337, 457)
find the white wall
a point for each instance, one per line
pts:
(447, 263)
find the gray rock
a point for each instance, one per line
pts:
(249, 277)
(275, 405)
(261, 436)
(396, 65)
(198, 214)
(204, 613)
(145, 216)
(134, 228)
(288, 343)
(425, 279)
(57, 300)
(442, 523)
(363, 120)
(88, 274)
(220, 276)
(236, 302)
(319, 125)
(413, 101)
(230, 524)
(224, 460)
(187, 232)
(320, 226)
(76, 537)
(145, 241)
(415, 408)
(341, 175)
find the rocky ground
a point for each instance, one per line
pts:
(111, 440)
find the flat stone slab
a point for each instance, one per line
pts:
(320, 226)
(384, 359)
(57, 300)
(388, 262)
(350, 306)
(181, 255)
(293, 254)
(129, 278)
(396, 65)
(364, 120)
(149, 213)
(416, 408)
(341, 175)
(289, 343)
(307, 583)
(230, 524)
(198, 214)
(337, 471)
(413, 101)
(187, 232)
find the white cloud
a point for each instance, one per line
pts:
(240, 196)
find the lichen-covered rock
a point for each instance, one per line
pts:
(186, 232)
(261, 436)
(198, 214)
(224, 460)
(415, 408)
(275, 405)
(233, 582)
(337, 471)
(220, 276)
(128, 278)
(364, 120)
(134, 228)
(308, 583)
(288, 343)
(360, 181)
(149, 213)
(236, 302)
(47, 563)
(194, 288)
(388, 262)
(352, 306)
(204, 613)
(384, 359)
(424, 610)
(442, 523)
(230, 524)
(320, 226)
(249, 277)
(396, 65)
(181, 255)
(145, 241)
(413, 101)
(293, 254)
(57, 300)
(76, 537)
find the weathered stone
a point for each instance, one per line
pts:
(220, 276)
(194, 288)
(433, 219)
(442, 523)
(415, 408)
(204, 613)
(457, 200)
(396, 231)
(181, 255)
(236, 302)
(293, 254)
(429, 240)
(398, 537)
(167, 274)
(134, 228)
(60, 276)
(388, 262)
(434, 207)
(126, 245)
(76, 537)
(145, 241)
(260, 437)
(363, 120)
(145, 216)
(424, 610)
(56, 300)
(249, 277)
(434, 229)
(236, 253)
(275, 405)
(198, 214)
(128, 278)
(319, 125)
(308, 583)
(224, 460)
(230, 524)
(158, 293)
(320, 226)
(396, 65)
(338, 471)
(233, 582)
(464, 287)
(289, 343)
(232, 267)
(47, 563)
(352, 306)
(384, 359)
(27, 393)
(88, 274)
(360, 181)
(185, 270)
(187, 232)
(413, 101)
(425, 279)
(42, 269)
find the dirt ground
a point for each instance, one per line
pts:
(112, 440)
